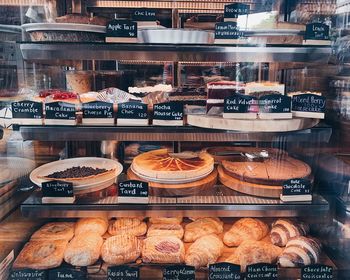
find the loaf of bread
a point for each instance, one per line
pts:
(127, 226)
(55, 231)
(202, 227)
(283, 229)
(300, 251)
(97, 225)
(84, 249)
(166, 230)
(245, 229)
(176, 220)
(204, 251)
(41, 254)
(163, 249)
(121, 249)
(252, 252)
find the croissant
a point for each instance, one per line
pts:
(127, 226)
(283, 229)
(165, 230)
(201, 227)
(245, 229)
(204, 251)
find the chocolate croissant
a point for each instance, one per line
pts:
(283, 230)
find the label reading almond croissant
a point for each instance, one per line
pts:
(123, 272)
(224, 271)
(316, 271)
(262, 271)
(179, 272)
(28, 274)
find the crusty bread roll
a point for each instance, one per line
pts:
(55, 231)
(166, 230)
(121, 249)
(84, 249)
(41, 254)
(127, 226)
(97, 225)
(201, 227)
(176, 220)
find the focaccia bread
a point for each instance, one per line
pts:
(121, 249)
(204, 251)
(84, 249)
(162, 165)
(55, 231)
(245, 229)
(284, 229)
(252, 252)
(127, 226)
(97, 225)
(176, 220)
(201, 227)
(163, 249)
(41, 254)
(166, 230)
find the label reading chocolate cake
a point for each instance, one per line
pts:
(133, 191)
(179, 272)
(123, 272)
(132, 110)
(98, 110)
(122, 29)
(317, 31)
(60, 111)
(67, 273)
(27, 110)
(239, 103)
(317, 271)
(144, 15)
(262, 271)
(28, 274)
(236, 9)
(275, 103)
(224, 270)
(296, 187)
(57, 189)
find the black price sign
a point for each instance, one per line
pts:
(144, 15)
(227, 30)
(179, 272)
(317, 31)
(317, 271)
(27, 110)
(239, 103)
(235, 9)
(60, 110)
(67, 273)
(28, 274)
(262, 271)
(122, 28)
(57, 189)
(98, 110)
(132, 110)
(296, 187)
(275, 103)
(171, 111)
(227, 271)
(123, 272)
(309, 103)
(133, 188)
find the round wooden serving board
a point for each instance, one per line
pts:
(187, 189)
(218, 122)
(248, 188)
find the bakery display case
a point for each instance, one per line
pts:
(174, 139)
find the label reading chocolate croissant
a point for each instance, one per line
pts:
(28, 274)
(296, 187)
(317, 271)
(224, 271)
(67, 273)
(179, 272)
(123, 272)
(261, 271)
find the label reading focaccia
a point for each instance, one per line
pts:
(275, 103)
(60, 110)
(171, 111)
(309, 103)
(317, 271)
(239, 103)
(262, 271)
(27, 110)
(132, 110)
(98, 110)
(317, 31)
(224, 271)
(236, 9)
(57, 189)
(228, 30)
(179, 272)
(28, 274)
(144, 15)
(133, 191)
(122, 29)
(67, 273)
(296, 187)
(123, 272)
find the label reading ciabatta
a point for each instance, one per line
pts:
(60, 111)
(317, 271)
(227, 31)
(27, 110)
(169, 111)
(98, 110)
(28, 274)
(262, 271)
(236, 9)
(133, 191)
(296, 187)
(123, 272)
(57, 189)
(179, 272)
(122, 29)
(144, 15)
(132, 110)
(239, 103)
(317, 31)
(67, 273)
(224, 271)
(275, 103)
(309, 103)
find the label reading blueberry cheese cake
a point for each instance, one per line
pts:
(261, 271)
(317, 271)
(234, 10)
(98, 112)
(179, 272)
(133, 191)
(123, 272)
(144, 15)
(227, 271)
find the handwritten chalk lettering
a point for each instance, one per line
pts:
(220, 271)
(28, 274)
(275, 103)
(296, 187)
(179, 272)
(309, 103)
(57, 189)
(236, 9)
(122, 28)
(60, 110)
(317, 271)
(133, 188)
(123, 272)
(66, 273)
(240, 104)
(317, 31)
(132, 110)
(168, 111)
(227, 30)
(27, 109)
(144, 15)
(261, 271)
(97, 109)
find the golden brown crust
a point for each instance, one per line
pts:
(97, 225)
(201, 227)
(127, 226)
(159, 220)
(55, 231)
(165, 230)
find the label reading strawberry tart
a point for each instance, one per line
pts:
(317, 271)
(28, 274)
(133, 191)
(123, 272)
(60, 111)
(224, 270)
(66, 273)
(262, 271)
(179, 272)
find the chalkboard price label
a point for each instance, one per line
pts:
(144, 15)
(57, 189)
(60, 110)
(275, 103)
(172, 111)
(296, 187)
(317, 31)
(98, 110)
(239, 103)
(227, 271)
(309, 103)
(262, 271)
(236, 9)
(179, 272)
(123, 272)
(133, 191)
(122, 29)
(27, 110)
(28, 274)
(228, 31)
(67, 273)
(317, 271)
(132, 110)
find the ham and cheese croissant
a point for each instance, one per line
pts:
(202, 227)
(245, 229)
(283, 229)
(204, 251)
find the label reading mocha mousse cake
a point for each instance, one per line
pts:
(168, 114)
